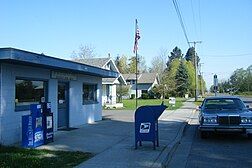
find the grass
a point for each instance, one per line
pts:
(20, 157)
(130, 104)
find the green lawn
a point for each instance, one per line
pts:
(130, 104)
(19, 157)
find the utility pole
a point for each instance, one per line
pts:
(201, 79)
(196, 68)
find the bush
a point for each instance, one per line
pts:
(145, 96)
(132, 96)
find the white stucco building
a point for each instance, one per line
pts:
(74, 90)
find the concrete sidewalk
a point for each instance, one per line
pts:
(112, 139)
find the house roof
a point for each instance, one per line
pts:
(101, 63)
(97, 62)
(16, 56)
(143, 78)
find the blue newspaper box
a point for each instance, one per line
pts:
(32, 127)
(47, 122)
(146, 124)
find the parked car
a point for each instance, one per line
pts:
(224, 114)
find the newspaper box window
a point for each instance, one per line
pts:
(146, 124)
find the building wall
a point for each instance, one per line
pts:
(112, 92)
(81, 114)
(11, 121)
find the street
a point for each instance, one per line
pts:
(222, 150)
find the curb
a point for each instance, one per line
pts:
(167, 153)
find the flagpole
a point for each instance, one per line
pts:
(136, 66)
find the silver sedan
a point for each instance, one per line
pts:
(224, 114)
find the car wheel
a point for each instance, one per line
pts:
(249, 136)
(203, 134)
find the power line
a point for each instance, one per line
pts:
(232, 55)
(180, 20)
(194, 21)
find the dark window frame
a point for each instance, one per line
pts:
(85, 101)
(27, 107)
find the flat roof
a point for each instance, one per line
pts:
(17, 56)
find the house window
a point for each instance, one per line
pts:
(29, 92)
(133, 82)
(89, 93)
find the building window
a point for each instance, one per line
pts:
(29, 92)
(89, 93)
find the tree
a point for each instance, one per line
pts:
(158, 63)
(84, 52)
(190, 56)
(141, 64)
(159, 91)
(121, 63)
(121, 91)
(169, 77)
(175, 54)
(191, 77)
(181, 78)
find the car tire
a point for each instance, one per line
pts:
(203, 134)
(249, 136)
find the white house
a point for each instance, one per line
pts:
(74, 90)
(145, 82)
(108, 84)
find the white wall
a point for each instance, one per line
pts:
(78, 113)
(11, 121)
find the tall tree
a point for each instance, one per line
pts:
(190, 55)
(169, 77)
(158, 62)
(141, 64)
(84, 52)
(121, 63)
(181, 78)
(176, 53)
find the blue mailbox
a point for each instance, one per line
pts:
(146, 124)
(47, 122)
(32, 127)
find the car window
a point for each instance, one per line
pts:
(222, 103)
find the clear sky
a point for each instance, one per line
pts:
(58, 27)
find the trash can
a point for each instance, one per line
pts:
(146, 124)
(32, 127)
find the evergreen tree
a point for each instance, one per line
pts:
(190, 55)
(175, 54)
(181, 78)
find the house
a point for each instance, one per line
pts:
(74, 90)
(108, 84)
(145, 82)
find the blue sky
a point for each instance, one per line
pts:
(58, 27)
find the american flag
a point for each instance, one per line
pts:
(137, 37)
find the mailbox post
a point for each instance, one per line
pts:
(146, 124)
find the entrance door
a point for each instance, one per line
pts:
(63, 101)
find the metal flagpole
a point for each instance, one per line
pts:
(137, 37)
(136, 60)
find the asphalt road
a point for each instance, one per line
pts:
(222, 151)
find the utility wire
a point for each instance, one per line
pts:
(181, 20)
(194, 21)
(234, 55)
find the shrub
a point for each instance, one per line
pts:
(145, 96)
(132, 96)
